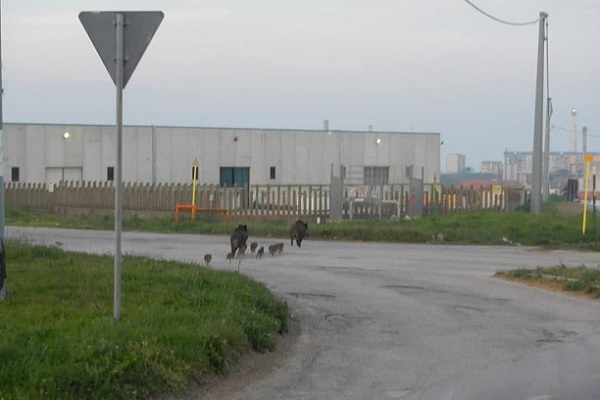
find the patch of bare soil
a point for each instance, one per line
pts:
(566, 207)
(249, 369)
(552, 286)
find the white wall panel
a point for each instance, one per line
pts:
(299, 156)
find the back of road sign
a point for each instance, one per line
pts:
(139, 29)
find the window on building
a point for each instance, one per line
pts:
(14, 174)
(376, 175)
(110, 173)
(272, 173)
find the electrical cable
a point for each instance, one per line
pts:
(501, 20)
(571, 130)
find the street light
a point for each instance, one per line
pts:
(574, 133)
(66, 137)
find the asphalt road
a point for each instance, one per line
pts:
(400, 321)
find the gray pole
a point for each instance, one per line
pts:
(153, 154)
(119, 167)
(2, 264)
(536, 169)
(546, 174)
(584, 132)
(1, 139)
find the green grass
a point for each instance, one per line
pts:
(579, 279)
(180, 323)
(552, 228)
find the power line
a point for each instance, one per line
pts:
(571, 130)
(501, 20)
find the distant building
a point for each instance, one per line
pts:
(469, 179)
(491, 167)
(455, 163)
(562, 166)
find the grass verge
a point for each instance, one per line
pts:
(553, 228)
(180, 323)
(580, 280)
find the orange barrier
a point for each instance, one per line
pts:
(193, 209)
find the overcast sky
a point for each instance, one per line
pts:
(420, 65)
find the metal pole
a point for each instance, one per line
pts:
(574, 133)
(119, 167)
(584, 143)
(2, 264)
(153, 154)
(536, 170)
(594, 201)
(379, 174)
(546, 174)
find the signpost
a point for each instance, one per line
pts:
(120, 38)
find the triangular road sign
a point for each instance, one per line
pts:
(138, 31)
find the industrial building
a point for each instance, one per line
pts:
(226, 156)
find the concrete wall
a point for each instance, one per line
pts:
(300, 156)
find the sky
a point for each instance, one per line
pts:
(396, 65)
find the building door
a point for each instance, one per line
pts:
(58, 174)
(238, 176)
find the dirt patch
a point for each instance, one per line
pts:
(251, 368)
(569, 208)
(552, 286)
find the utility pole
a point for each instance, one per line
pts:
(546, 174)
(2, 251)
(536, 169)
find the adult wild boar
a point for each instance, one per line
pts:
(298, 232)
(238, 240)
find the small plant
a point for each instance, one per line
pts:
(214, 346)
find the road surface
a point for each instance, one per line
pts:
(402, 321)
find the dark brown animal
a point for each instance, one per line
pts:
(229, 257)
(273, 249)
(238, 239)
(253, 247)
(279, 247)
(260, 252)
(298, 232)
(207, 258)
(242, 250)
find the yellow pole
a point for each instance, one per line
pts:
(587, 159)
(435, 196)
(194, 178)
